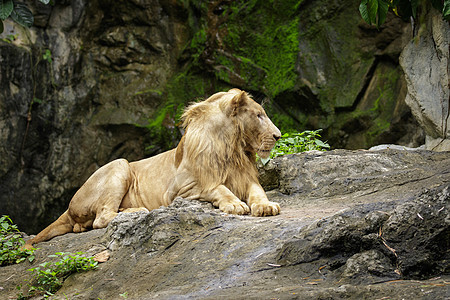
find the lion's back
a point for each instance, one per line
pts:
(152, 176)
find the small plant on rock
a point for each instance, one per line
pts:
(49, 276)
(297, 142)
(11, 243)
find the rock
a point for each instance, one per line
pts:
(425, 62)
(354, 224)
(163, 224)
(395, 147)
(369, 263)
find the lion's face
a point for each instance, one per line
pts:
(259, 131)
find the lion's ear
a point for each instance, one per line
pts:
(239, 100)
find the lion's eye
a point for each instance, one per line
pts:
(259, 115)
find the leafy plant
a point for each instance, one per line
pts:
(17, 11)
(49, 276)
(10, 38)
(11, 243)
(47, 55)
(297, 142)
(375, 11)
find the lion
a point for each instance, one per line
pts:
(215, 161)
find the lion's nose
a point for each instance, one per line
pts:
(276, 137)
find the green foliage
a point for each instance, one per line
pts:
(17, 11)
(375, 11)
(11, 242)
(297, 142)
(48, 277)
(263, 38)
(47, 55)
(6, 8)
(10, 38)
(446, 10)
(254, 45)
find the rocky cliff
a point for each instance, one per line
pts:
(354, 225)
(425, 61)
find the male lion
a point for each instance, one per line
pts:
(214, 161)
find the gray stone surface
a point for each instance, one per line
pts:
(425, 62)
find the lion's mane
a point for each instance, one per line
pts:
(215, 143)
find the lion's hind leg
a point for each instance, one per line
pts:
(98, 201)
(61, 226)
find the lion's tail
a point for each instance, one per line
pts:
(61, 226)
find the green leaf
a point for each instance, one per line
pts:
(5, 226)
(446, 9)
(372, 8)
(45, 1)
(22, 15)
(322, 144)
(6, 7)
(383, 7)
(363, 11)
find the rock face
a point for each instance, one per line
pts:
(425, 61)
(64, 116)
(354, 224)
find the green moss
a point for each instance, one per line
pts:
(374, 115)
(284, 122)
(377, 128)
(147, 91)
(261, 41)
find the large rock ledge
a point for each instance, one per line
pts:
(354, 224)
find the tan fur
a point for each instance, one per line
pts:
(214, 161)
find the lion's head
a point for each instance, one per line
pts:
(236, 119)
(223, 134)
(260, 134)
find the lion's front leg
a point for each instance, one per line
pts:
(259, 204)
(226, 201)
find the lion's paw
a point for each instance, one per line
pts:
(268, 208)
(235, 207)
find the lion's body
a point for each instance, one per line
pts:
(214, 161)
